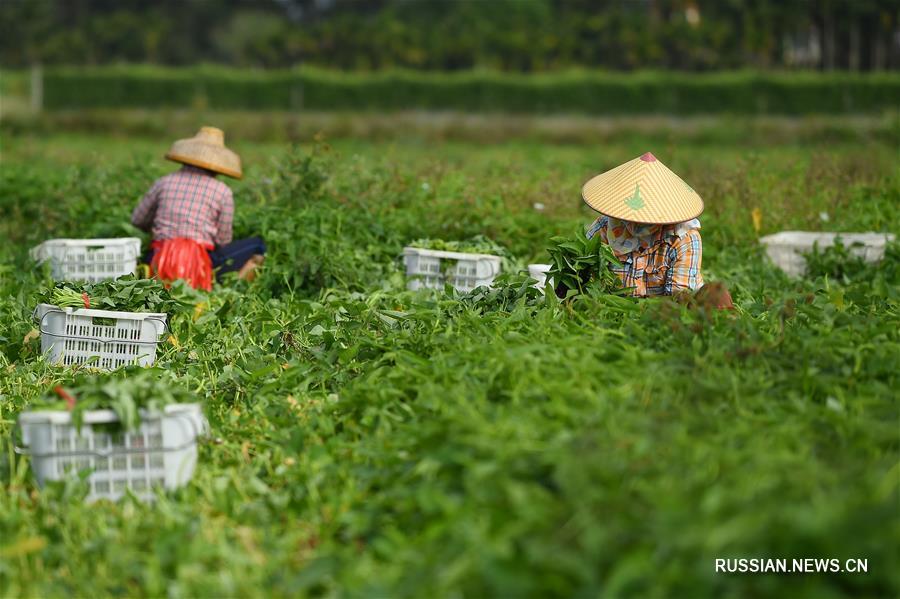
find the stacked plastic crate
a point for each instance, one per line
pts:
(162, 451)
(432, 269)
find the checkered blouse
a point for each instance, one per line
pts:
(189, 203)
(669, 265)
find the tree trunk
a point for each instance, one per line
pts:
(828, 38)
(37, 88)
(855, 46)
(878, 52)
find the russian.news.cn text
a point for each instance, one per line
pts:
(792, 566)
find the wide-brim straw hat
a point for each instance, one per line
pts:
(643, 190)
(207, 150)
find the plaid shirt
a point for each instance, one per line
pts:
(188, 203)
(668, 265)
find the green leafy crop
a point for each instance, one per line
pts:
(128, 294)
(377, 442)
(580, 264)
(125, 391)
(836, 262)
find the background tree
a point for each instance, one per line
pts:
(516, 35)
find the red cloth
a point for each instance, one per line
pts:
(183, 259)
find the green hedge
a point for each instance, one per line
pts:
(584, 92)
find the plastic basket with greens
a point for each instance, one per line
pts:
(106, 324)
(478, 244)
(135, 429)
(464, 265)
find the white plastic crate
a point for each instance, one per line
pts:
(431, 269)
(72, 336)
(538, 272)
(160, 453)
(786, 249)
(89, 259)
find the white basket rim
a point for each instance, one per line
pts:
(72, 242)
(810, 237)
(413, 251)
(42, 251)
(102, 313)
(103, 416)
(540, 267)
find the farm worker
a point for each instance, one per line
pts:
(649, 219)
(190, 212)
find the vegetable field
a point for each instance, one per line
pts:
(371, 441)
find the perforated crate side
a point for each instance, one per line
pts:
(107, 339)
(431, 269)
(89, 259)
(424, 272)
(161, 453)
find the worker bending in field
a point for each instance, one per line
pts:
(649, 219)
(190, 212)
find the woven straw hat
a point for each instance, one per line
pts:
(207, 150)
(643, 190)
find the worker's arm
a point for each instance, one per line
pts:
(598, 226)
(144, 214)
(684, 272)
(226, 218)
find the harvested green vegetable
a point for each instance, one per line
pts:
(507, 292)
(581, 264)
(128, 294)
(125, 391)
(479, 244)
(66, 297)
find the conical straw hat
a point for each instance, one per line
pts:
(643, 190)
(207, 150)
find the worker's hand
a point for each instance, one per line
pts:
(561, 290)
(714, 296)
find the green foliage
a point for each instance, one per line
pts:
(508, 292)
(580, 92)
(303, 174)
(836, 262)
(379, 442)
